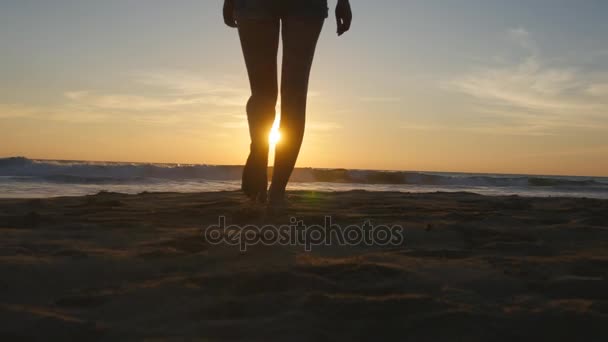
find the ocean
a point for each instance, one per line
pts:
(27, 178)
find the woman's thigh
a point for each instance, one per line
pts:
(260, 43)
(300, 36)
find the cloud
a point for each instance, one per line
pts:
(520, 36)
(478, 128)
(163, 91)
(17, 111)
(322, 126)
(600, 89)
(181, 83)
(159, 99)
(23, 111)
(532, 95)
(125, 102)
(380, 99)
(232, 124)
(528, 85)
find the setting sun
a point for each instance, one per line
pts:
(275, 134)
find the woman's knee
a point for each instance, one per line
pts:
(263, 101)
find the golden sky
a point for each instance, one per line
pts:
(416, 85)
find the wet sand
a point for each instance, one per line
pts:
(472, 268)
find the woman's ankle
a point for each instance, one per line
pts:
(276, 195)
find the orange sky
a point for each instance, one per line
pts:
(415, 86)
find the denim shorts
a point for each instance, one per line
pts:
(274, 9)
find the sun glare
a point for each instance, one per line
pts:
(275, 134)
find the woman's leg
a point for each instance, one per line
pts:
(260, 41)
(300, 36)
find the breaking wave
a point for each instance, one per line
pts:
(82, 172)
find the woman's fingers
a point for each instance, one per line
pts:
(344, 25)
(230, 22)
(344, 16)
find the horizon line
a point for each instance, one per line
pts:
(312, 167)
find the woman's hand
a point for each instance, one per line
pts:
(344, 16)
(229, 13)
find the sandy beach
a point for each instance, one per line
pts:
(472, 268)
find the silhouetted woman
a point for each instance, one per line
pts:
(259, 24)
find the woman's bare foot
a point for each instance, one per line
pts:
(277, 198)
(255, 180)
(277, 206)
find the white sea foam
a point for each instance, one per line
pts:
(22, 177)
